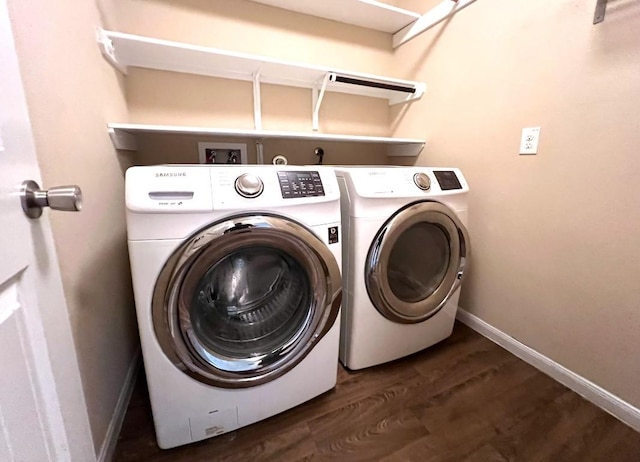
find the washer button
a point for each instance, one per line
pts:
(248, 185)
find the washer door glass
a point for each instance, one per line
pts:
(416, 262)
(244, 300)
(249, 303)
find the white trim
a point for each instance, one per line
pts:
(111, 438)
(602, 398)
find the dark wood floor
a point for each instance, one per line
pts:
(464, 399)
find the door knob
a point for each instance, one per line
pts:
(33, 199)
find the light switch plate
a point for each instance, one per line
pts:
(529, 140)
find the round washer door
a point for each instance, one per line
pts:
(244, 300)
(416, 262)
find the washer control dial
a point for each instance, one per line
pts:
(249, 185)
(422, 181)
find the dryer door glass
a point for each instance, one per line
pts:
(416, 262)
(245, 300)
(415, 275)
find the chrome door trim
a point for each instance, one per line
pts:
(376, 277)
(170, 310)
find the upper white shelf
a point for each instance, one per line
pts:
(124, 50)
(365, 13)
(403, 24)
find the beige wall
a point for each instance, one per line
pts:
(556, 253)
(169, 98)
(71, 94)
(175, 149)
(251, 27)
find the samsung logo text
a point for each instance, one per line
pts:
(170, 174)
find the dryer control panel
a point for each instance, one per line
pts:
(395, 182)
(447, 179)
(300, 184)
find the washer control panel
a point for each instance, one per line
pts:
(300, 184)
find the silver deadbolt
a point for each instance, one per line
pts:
(33, 199)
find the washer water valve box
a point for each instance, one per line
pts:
(222, 153)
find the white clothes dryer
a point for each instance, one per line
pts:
(236, 275)
(405, 248)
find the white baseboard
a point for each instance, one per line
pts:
(111, 438)
(602, 398)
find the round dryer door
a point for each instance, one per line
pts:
(243, 301)
(416, 262)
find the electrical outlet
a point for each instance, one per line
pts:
(222, 153)
(529, 140)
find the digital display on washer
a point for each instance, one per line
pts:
(300, 184)
(447, 179)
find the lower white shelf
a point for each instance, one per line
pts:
(123, 137)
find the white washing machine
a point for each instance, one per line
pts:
(236, 274)
(405, 248)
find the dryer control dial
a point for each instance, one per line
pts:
(422, 181)
(248, 185)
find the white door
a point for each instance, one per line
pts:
(42, 412)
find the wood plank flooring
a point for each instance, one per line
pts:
(465, 399)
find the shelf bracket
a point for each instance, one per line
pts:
(601, 9)
(109, 51)
(122, 140)
(259, 152)
(257, 108)
(419, 91)
(316, 100)
(404, 150)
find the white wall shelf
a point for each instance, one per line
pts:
(403, 24)
(123, 136)
(364, 13)
(124, 50)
